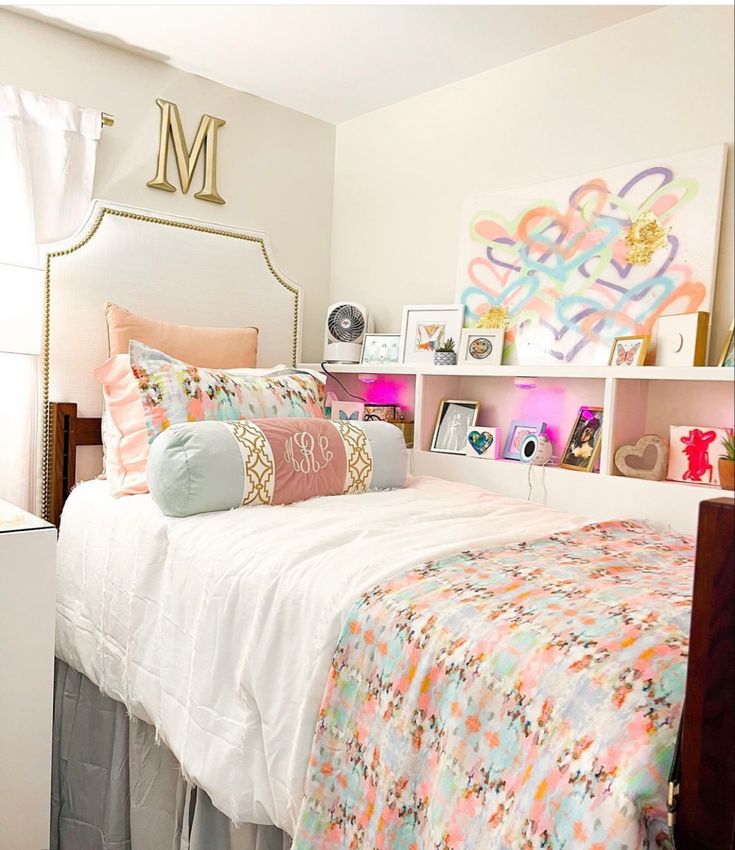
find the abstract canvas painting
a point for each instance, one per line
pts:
(693, 453)
(583, 260)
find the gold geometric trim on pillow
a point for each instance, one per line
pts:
(359, 473)
(257, 461)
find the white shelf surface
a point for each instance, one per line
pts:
(646, 373)
(662, 503)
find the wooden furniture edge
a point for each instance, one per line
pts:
(705, 818)
(67, 431)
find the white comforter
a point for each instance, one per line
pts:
(219, 629)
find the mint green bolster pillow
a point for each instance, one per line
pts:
(197, 467)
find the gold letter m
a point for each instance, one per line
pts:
(186, 160)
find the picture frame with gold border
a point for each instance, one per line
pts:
(570, 460)
(727, 358)
(620, 358)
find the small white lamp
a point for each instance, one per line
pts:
(21, 307)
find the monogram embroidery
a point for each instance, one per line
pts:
(304, 455)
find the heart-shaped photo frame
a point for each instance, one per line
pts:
(648, 458)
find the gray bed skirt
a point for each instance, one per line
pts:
(115, 788)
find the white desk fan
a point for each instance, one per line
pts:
(346, 326)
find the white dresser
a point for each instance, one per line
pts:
(27, 603)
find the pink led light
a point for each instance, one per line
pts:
(393, 390)
(545, 404)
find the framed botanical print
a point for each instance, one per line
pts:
(584, 441)
(481, 347)
(426, 328)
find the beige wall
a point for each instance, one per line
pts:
(275, 164)
(660, 83)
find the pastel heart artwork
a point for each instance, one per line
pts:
(572, 263)
(481, 441)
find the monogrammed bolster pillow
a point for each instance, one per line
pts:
(196, 467)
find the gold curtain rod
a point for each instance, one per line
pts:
(107, 119)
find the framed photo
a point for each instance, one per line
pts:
(452, 423)
(727, 358)
(382, 412)
(482, 442)
(629, 351)
(517, 433)
(681, 340)
(584, 442)
(347, 410)
(478, 347)
(426, 328)
(378, 349)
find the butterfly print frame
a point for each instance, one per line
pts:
(347, 411)
(629, 351)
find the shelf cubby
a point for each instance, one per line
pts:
(636, 401)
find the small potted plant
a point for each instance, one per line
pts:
(726, 463)
(445, 355)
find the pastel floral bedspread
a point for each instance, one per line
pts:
(521, 698)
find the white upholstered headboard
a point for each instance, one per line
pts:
(165, 267)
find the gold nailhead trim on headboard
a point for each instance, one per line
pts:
(45, 423)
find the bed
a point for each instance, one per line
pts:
(221, 657)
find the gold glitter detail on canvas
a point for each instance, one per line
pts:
(494, 318)
(646, 235)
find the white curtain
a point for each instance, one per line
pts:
(47, 158)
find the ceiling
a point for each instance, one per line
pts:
(335, 62)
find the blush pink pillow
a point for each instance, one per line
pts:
(211, 348)
(124, 436)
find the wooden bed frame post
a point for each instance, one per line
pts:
(706, 810)
(67, 432)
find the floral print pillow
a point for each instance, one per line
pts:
(173, 392)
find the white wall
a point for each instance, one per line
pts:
(275, 165)
(656, 84)
(659, 83)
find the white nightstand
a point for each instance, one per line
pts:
(27, 611)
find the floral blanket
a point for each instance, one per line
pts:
(522, 698)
